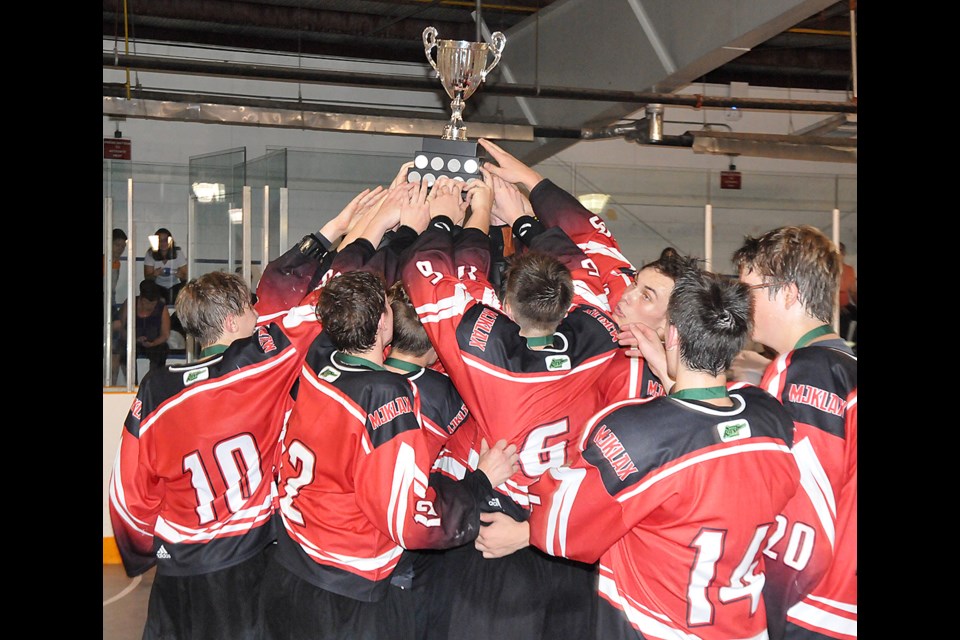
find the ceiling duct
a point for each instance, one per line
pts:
(655, 122)
(816, 148)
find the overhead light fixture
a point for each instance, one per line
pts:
(595, 202)
(236, 215)
(209, 191)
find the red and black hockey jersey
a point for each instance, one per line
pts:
(611, 273)
(814, 550)
(557, 208)
(354, 478)
(538, 400)
(193, 484)
(677, 499)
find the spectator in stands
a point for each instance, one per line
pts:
(119, 246)
(152, 327)
(166, 264)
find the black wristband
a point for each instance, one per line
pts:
(526, 228)
(312, 247)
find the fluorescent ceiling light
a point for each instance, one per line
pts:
(595, 202)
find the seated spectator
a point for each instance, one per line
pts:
(152, 327)
(166, 264)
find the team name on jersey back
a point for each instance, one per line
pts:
(389, 412)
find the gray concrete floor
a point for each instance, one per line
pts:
(124, 603)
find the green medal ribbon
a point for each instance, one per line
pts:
(705, 393)
(402, 364)
(213, 350)
(540, 341)
(357, 361)
(805, 339)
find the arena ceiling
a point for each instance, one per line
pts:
(587, 51)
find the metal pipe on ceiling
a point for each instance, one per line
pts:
(322, 76)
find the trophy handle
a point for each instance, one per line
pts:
(429, 42)
(497, 42)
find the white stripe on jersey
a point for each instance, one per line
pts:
(202, 387)
(650, 623)
(446, 308)
(592, 247)
(360, 564)
(780, 366)
(584, 292)
(239, 522)
(816, 485)
(298, 315)
(403, 480)
(818, 618)
(563, 499)
(331, 392)
(662, 474)
(119, 500)
(636, 378)
(528, 379)
(449, 465)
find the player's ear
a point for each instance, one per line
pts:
(672, 339)
(791, 294)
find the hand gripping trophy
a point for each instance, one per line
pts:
(461, 67)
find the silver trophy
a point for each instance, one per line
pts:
(461, 67)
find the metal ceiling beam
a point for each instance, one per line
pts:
(349, 78)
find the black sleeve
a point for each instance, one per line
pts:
(460, 504)
(287, 279)
(526, 228)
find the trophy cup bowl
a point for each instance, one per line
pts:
(462, 67)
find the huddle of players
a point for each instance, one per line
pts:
(712, 512)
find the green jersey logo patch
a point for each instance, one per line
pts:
(558, 363)
(195, 375)
(733, 430)
(329, 373)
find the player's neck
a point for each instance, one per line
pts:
(374, 355)
(399, 362)
(807, 331)
(214, 349)
(701, 385)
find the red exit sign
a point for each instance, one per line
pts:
(730, 179)
(117, 149)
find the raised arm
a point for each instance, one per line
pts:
(508, 167)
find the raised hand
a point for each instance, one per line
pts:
(402, 174)
(510, 169)
(414, 209)
(508, 202)
(350, 215)
(445, 200)
(480, 201)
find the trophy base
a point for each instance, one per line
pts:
(456, 159)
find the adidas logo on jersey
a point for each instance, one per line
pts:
(733, 430)
(494, 502)
(162, 553)
(558, 363)
(195, 375)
